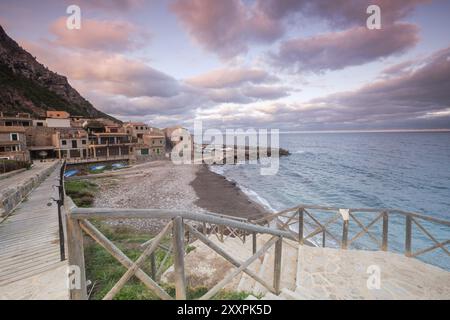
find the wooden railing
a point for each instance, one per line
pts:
(318, 225)
(182, 226)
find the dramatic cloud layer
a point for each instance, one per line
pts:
(228, 27)
(418, 98)
(263, 63)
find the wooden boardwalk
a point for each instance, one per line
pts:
(30, 266)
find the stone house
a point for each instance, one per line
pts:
(58, 119)
(19, 120)
(137, 130)
(110, 145)
(71, 145)
(13, 144)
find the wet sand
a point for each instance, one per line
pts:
(218, 195)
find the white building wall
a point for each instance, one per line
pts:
(58, 123)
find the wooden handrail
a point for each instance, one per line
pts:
(352, 210)
(114, 214)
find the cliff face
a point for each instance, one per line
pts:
(28, 86)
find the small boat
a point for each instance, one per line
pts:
(116, 166)
(97, 168)
(70, 173)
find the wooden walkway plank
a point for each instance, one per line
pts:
(30, 266)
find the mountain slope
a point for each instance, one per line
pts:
(28, 86)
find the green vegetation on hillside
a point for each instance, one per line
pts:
(41, 97)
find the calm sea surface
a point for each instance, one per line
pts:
(408, 171)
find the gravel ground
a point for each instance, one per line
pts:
(159, 185)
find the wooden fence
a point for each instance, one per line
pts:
(334, 219)
(181, 227)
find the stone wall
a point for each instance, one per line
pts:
(11, 197)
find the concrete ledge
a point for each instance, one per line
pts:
(11, 173)
(12, 197)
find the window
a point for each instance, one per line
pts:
(8, 124)
(14, 137)
(64, 142)
(40, 124)
(144, 152)
(83, 141)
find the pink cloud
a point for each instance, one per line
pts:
(337, 50)
(225, 27)
(109, 72)
(99, 35)
(230, 78)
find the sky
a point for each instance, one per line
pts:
(293, 65)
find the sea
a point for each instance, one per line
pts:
(409, 171)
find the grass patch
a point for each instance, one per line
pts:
(103, 270)
(82, 192)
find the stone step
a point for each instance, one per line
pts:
(265, 272)
(288, 266)
(247, 283)
(239, 251)
(271, 296)
(287, 294)
(292, 295)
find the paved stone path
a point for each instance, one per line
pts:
(320, 273)
(353, 274)
(30, 266)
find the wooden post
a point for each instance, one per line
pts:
(344, 234)
(323, 238)
(300, 225)
(384, 244)
(254, 242)
(408, 236)
(277, 265)
(221, 229)
(187, 237)
(153, 265)
(178, 245)
(77, 276)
